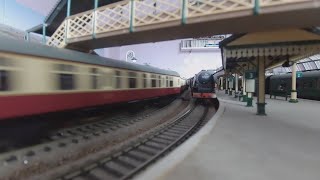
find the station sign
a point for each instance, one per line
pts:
(250, 74)
(215, 37)
(299, 74)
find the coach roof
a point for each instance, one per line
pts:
(22, 47)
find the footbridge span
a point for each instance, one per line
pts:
(141, 21)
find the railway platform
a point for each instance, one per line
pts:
(238, 144)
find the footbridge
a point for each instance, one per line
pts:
(141, 21)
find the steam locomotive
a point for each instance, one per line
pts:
(203, 85)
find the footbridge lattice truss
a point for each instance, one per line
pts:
(129, 15)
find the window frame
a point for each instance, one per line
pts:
(65, 72)
(118, 79)
(5, 80)
(132, 80)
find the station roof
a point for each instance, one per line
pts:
(276, 46)
(307, 64)
(59, 12)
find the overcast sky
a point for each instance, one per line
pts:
(25, 14)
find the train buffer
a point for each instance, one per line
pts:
(281, 93)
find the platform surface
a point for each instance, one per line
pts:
(285, 144)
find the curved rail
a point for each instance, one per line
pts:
(133, 159)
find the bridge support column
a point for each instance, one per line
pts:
(68, 8)
(27, 36)
(43, 33)
(293, 98)
(236, 84)
(230, 87)
(261, 90)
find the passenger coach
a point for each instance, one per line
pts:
(37, 79)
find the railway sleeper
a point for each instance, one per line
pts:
(98, 173)
(154, 145)
(148, 150)
(136, 155)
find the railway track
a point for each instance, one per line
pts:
(95, 125)
(103, 124)
(75, 135)
(69, 147)
(134, 158)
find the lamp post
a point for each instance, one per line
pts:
(134, 59)
(130, 55)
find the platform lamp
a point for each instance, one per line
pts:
(129, 55)
(134, 59)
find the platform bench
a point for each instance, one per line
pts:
(279, 93)
(240, 95)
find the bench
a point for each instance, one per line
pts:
(280, 93)
(240, 95)
(236, 94)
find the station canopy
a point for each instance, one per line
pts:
(307, 64)
(276, 47)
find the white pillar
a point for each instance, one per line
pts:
(237, 83)
(293, 98)
(244, 84)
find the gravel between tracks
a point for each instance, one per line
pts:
(73, 154)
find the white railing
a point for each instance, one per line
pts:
(125, 16)
(58, 37)
(150, 12)
(279, 2)
(113, 17)
(210, 7)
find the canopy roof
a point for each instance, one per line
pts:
(275, 46)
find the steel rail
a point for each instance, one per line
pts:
(134, 158)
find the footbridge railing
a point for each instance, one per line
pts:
(138, 15)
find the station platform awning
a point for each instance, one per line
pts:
(275, 46)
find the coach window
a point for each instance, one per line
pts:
(163, 82)
(306, 84)
(4, 74)
(66, 76)
(106, 79)
(4, 80)
(132, 79)
(159, 79)
(167, 81)
(144, 80)
(94, 78)
(118, 79)
(314, 83)
(171, 81)
(153, 80)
